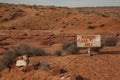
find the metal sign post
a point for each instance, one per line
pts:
(89, 49)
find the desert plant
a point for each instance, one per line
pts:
(57, 52)
(44, 65)
(9, 56)
(2, 65)
(96, 49)
(36, 52)
(79, 77)
(91, 27)
(30, 51)
(70, 47)
(104, 15)
(62, 71)
(7, 59)
(36, 14)
(18, 10)
(111, 41)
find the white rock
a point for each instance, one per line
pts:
(21, 63)
(62, 78)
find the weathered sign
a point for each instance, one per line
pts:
(88, 40)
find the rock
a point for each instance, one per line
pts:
(20, 63)
(71, 77)
(66, 78)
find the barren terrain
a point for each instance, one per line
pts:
(48, 27)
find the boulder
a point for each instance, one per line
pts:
(21, 63)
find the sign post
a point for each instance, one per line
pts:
(88, 41)
(89, 51)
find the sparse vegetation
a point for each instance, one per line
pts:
(70, 47)
(17, 10)
(30, 51)
(91, 27)
(44, 65)
(79, 77)
(36, 14)
(10, 56)
(104, 15)
(112, 41)
(97, 49)
(58, 53)
(7, 59)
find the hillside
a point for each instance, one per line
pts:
(58, 18)
(49, 27)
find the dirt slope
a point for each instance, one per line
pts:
(48, 27)
(53, 18)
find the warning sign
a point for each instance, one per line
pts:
(88, 40)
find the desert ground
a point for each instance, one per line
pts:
(48, 27)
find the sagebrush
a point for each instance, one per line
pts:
(70, 47)
(9, 56)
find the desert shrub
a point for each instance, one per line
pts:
(79, 77)
(63, 71)
(9, 56)
(44, 65)
(70, 47)
(112, 41)
(30, 51)
(104, 15)
(36, 14)
(91, 27)
(57, 52)
(36, 52)
(96, 49)
(15, 14)
(7, 59)
(18, 10)
(2, 65)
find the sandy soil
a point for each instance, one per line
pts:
(48, 27)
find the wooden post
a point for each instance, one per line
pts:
(89, 49)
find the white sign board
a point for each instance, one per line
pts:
(88, 40)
